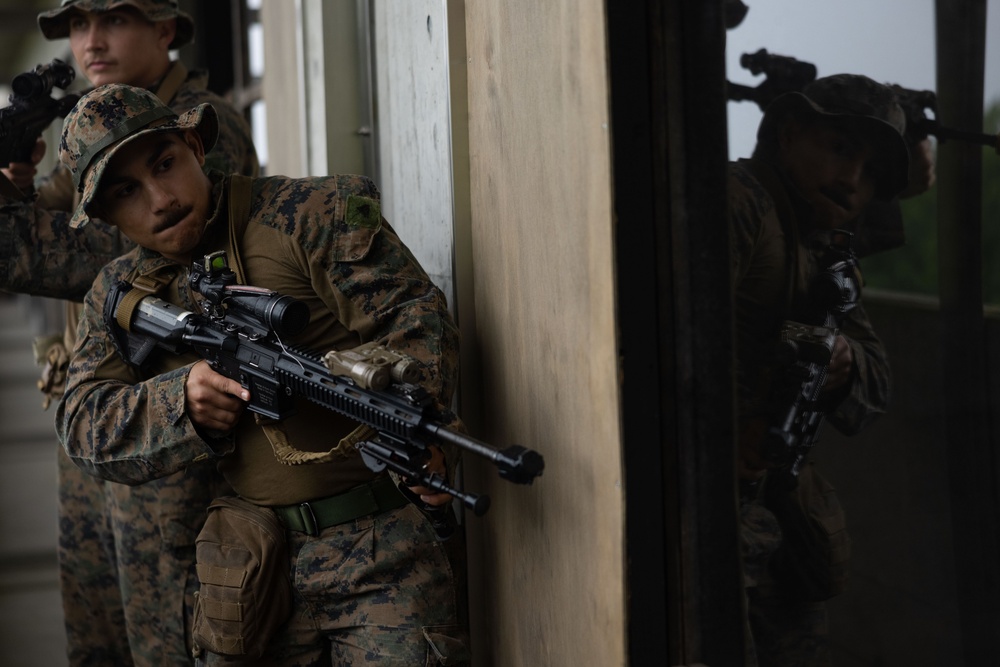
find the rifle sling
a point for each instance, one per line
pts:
(142, 287)
(239, 215)
(171, 83)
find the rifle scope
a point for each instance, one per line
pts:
(284, 315)
(784, 68)
(40, 81)
(259, 310)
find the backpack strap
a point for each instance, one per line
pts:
(240, 191)
(171, 83)
(287, 454)
(142, 287)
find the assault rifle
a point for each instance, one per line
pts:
(784, 74)
(240, 335)
(803, 355)
(32, 109)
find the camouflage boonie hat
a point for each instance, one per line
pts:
(54, 23)
(109, 117)
(860, 102)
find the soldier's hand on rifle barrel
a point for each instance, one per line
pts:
(213, 401)
(22, 174)
(841, 364)
(435, 465)
(921, 172)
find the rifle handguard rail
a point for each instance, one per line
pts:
(369, 384)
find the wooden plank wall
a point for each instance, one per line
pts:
(548, 572)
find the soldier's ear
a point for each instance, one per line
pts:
(790, 131)
(194, 142)
(787, 130)
(94, 211)
(166, 30)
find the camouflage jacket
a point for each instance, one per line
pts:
(41, 255)
(320, 240)
(773, 262)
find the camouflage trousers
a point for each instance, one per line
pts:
(781, 632)
(126, 557)
(93, 614)
(379, 590)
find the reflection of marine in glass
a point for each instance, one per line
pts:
(823, 156)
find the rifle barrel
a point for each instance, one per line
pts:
(947, 133)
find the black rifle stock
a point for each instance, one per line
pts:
(803, 355)
(32, 109)
(784, 74)
(240, 333)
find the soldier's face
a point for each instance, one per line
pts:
(833, 168)
(120, 46)
(155, 191)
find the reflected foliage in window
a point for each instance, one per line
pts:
(914, 267)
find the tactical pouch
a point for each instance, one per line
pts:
(51, 354)
(812, 562)
(245, 594)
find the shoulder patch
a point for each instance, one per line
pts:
(363, 212)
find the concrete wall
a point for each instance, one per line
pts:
(413, 124)
(315, 88)
(551, 590)
(364, 87)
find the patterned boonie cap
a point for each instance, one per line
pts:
(866, 104)
(109, 117)
(54, 23)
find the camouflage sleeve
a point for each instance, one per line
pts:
(113, 423)
(871, 386)
(409, 312)
(41, 255)
(55, 191)
(379, 290)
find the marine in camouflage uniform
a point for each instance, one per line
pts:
(777, 237)
(124, 551)
(373, 587)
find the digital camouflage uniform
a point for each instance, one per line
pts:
(113, 578)
(161, 517)
(774, 258)
(373, 588)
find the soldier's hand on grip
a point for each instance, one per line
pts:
(213, 401)
(841, 363)
(22, 174)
